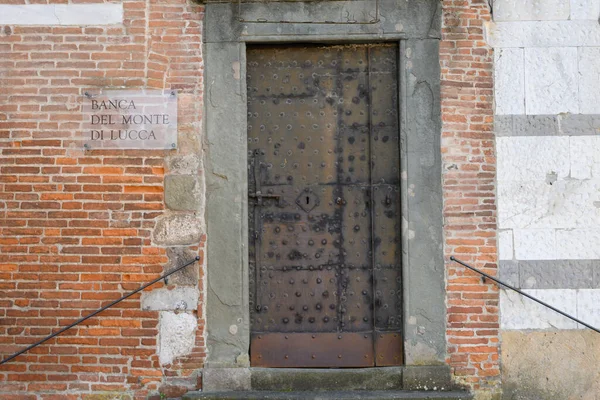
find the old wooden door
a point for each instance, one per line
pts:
(324, 206)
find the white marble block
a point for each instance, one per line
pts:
(535, 244)
(532, 158)
(543, 33)
(531, 10)
(551, 80)
(585, 9)
(61, 14)
(589, 80)
(509, 81)
(519, 312)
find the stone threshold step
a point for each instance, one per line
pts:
(290, 380)
(330, 395)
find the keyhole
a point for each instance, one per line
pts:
(307, 200)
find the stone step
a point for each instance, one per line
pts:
(407, 378)
(300, 379)
(329, 395)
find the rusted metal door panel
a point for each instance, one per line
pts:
(323, 173)
(306, 350)
(388, 349)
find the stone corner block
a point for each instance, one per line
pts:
(184, 164)
(177, 336)
(178, 299)
(178, 229)
(178, 256)
(183, 192)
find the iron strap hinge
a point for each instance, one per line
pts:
(259, 197)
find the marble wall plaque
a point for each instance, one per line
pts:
(130, 119)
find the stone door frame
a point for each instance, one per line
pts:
(415, 26)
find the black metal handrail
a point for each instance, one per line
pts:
(464, 264)
(99, 310)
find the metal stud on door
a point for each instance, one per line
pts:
(323, 172)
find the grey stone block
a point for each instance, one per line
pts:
(503, 125)
(535, 125)
(596, 274)
(190, 275)
(579, 125)
(183, 192)
(179, 229)
(509, 272)
(547, 125)
(560, 274)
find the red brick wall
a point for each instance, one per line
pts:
(469, 173)
(75, 227)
